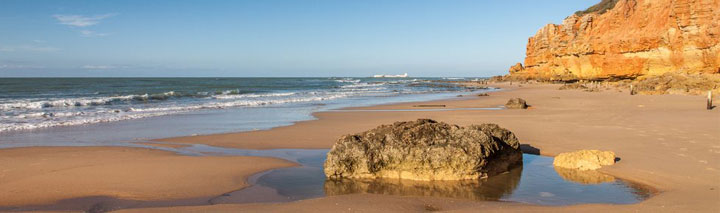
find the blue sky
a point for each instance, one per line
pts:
(271, 38)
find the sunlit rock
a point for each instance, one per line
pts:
(584, 159)
(424, 150)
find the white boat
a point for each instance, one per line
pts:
(391, 76)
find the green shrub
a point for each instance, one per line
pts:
(600, 8)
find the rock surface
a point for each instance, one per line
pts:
(424, 150)
(627, 39)
(584, 159)
(516, 103)
(678, 83)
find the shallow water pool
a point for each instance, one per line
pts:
(536, 182)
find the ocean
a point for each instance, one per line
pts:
(103, 111)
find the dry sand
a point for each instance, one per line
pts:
(45, 175)
(669, 142)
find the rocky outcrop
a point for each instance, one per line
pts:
(516, 68)
(627, 39)
(424, 150)
(678, 83)
(584, 159)
(516, 103)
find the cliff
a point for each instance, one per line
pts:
(627, 39)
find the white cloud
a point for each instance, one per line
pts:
(90, 33)
(82, 21)
(98, 67)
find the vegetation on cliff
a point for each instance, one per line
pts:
(600, 8)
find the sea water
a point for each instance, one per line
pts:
(114, 111)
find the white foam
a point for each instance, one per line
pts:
(33, 113)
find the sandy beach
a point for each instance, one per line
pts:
(667, 142)
(51, 175)
(360, 106)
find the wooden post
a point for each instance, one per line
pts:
(709, 100)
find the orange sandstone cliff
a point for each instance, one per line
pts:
(626, 39)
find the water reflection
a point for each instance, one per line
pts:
(492, 188)
(584, 177)
(537, 182)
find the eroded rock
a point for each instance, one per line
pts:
(516, 103)
(584, 159)
(424, 150)
(627, 39)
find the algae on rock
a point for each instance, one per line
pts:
(424, 150)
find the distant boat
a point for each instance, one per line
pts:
(391, 76)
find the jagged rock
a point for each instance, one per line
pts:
(573, 86)
(627, 39)
(678, 83)
(517, 68)
(584, 159)
(516, 103)
(424, 150)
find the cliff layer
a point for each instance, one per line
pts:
(626, 39)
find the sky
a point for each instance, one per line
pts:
(270, 38)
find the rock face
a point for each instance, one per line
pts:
(584, 159)
(424, 150)
(627, 39)
(516, 103)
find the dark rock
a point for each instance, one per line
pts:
(516, 103)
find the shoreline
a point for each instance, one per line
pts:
(316, 134)
(646, 178)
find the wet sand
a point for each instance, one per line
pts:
(46, 175)
(668, 142)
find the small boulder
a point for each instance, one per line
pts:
(424, 150)
(516, 103)
(584, 159)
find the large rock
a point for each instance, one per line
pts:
(424, 150)
(584, 159)
(625, 39)
(516, 103)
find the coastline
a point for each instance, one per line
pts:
(642, 130)
(607, 120)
